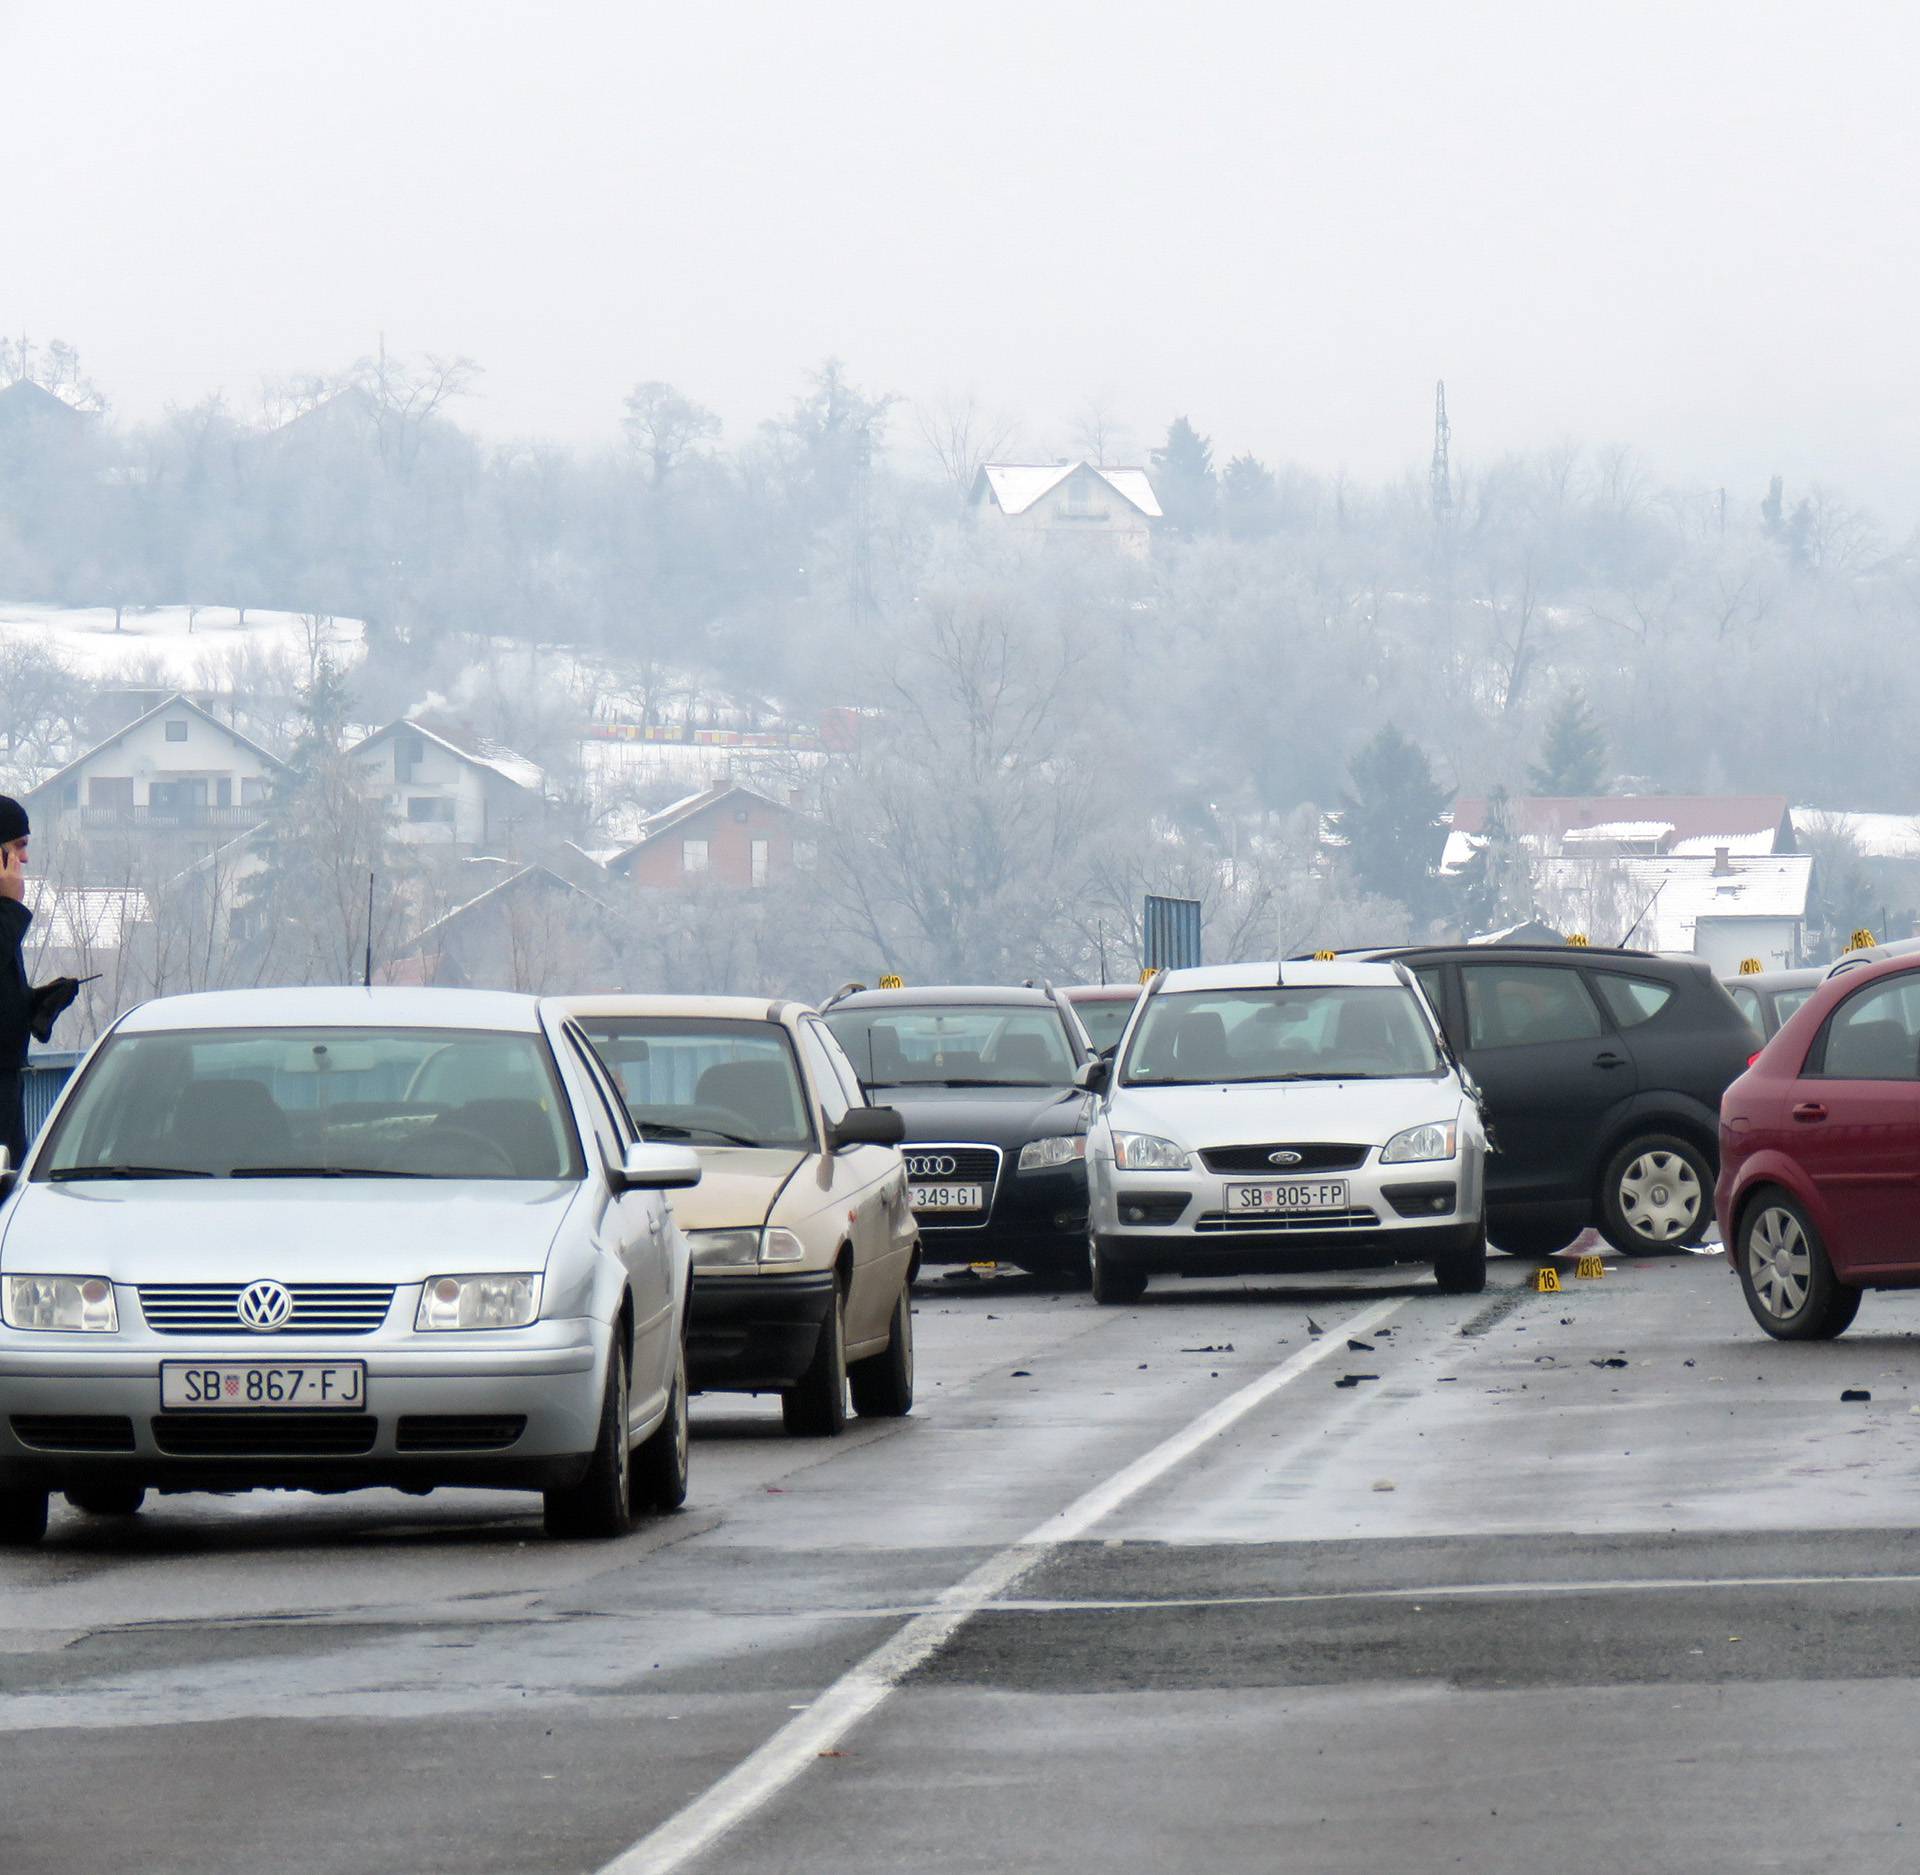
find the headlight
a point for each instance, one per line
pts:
(1419, 1142)
(478, 1302)
(1038, 1154)
(76, 1304)
(781, 1246)
(723, 1249)
(1147, 1152)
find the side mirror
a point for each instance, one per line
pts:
(1096, 1076)
(867, 1126)
(651, 1167)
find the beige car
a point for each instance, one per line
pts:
(802, 1236)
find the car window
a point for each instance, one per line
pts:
(1300, 1032)
(1748, 1004)
(1632, 1000)
(1875, 1036)
(1790, 1002)
(826, 1083)
(709, 1080)
(606, 1129)
(1103, 1019)
(265, 1103)
(1514, 1005)
(956, 1045)
(842, 1067)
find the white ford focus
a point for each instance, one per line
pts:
(1281, 1117)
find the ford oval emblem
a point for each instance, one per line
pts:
(1283, 1158)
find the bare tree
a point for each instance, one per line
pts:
(665, 428)
(961, 437)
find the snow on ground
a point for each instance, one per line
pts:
(192, 648)
(1879, 836)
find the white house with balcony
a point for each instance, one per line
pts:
(443, 784)
(176, 770)
(1068, 501)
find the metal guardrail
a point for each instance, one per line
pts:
(47, 1073)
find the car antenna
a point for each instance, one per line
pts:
(369, 976)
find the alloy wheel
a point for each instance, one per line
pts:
(1660, 1196)
(1779, 1262)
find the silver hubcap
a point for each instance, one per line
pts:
(1660, 1196)
(1779, 1262)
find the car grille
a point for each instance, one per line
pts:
(214, 1308)
(971, 1165)
(1300, 1223)
(73, 1432)
(1258, 1159)
(458, 1432)
(263, 1435)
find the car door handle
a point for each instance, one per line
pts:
(1609, 1060)
(1810, 1110)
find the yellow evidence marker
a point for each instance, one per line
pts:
(893, 983)
(1547, 1281)
(1590, 1268)
(984, 1268)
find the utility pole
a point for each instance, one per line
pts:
(1439, 477)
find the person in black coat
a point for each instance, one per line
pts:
(25, 1013)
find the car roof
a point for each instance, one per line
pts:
(957, 995)
(1778, 979)
(329, 1007)
(717, 1008)
(1558, 953)
(1340, 973)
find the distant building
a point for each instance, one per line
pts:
(446, 785)
(1724, 907)
(177, 771)
(533, 931)
(1068, 501)
(1626, 825)
(725, 835)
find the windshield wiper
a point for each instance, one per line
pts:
(66, 1173)
(660, 1129)
(322, 1171)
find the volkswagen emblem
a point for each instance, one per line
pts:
(1283, 1158)
(932, 1165)
(265, 1307)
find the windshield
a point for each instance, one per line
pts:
(956, 1045)
(1104, 1018)
(1319, 1032)
(708, 1082)
(323, 1103)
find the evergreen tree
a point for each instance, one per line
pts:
(1496, 885)
(1391, 820)
(1573, 756)
(1249, 499)
(1183, 478)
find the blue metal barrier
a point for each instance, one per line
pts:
(46, 1074)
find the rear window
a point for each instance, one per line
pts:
(1104, 1020)
(1633, 1000)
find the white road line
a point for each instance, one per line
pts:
(761, 1776)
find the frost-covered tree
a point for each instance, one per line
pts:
(1573, 753)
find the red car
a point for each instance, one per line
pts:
(1819, 1188)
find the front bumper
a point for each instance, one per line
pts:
(519, 1409)
(1037, 1218)
(755, 1333)
(1179, 1223)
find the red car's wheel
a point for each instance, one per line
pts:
(1787, 1276)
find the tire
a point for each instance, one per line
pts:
(1463, 1270)
(1787, 1275)
(661, 1466)
(1656, 1196)
(1529, 1242)
(23, 1517)
(1113, 1287)
(883, 1382)
(1070, 1272)
(601, 1504)
(815, 1406)
(107, 1500)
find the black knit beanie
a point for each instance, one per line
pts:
(13, 820)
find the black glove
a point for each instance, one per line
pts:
(46, 1004)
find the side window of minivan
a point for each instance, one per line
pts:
(1517, 1005)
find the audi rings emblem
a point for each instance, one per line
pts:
(1283, 1158)
(933, 1165)
(265, 1307)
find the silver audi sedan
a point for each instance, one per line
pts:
(323, 1239)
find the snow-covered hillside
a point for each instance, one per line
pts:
(192, 648)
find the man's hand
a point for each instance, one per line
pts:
(13, 875)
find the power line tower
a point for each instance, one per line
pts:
(1439, 479)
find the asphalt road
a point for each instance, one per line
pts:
(1140, 1589)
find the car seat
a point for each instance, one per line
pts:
(760, 1092)
(218, 1125)
(1200, 1047)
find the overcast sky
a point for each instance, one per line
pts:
(1685, 226)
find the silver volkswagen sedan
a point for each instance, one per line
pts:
(323, 1239)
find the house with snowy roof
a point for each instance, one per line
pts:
(533, 930)
(1724, 907)
(1068, 501)
(724, 835)
(446, 785)
(1610, 827)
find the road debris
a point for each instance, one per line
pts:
(1854, 1393)
(1353, 1380)
(1360, 1347)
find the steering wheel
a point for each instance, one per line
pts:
(466, 1146)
